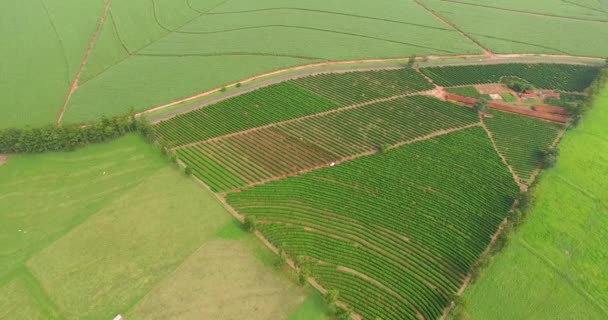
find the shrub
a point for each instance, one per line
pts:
(550, 157)
(249, 224)
(238, 85)
(481, 105)
(188, 170)
(223, 89)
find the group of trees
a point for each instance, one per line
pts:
(70, 137)
(517, 84)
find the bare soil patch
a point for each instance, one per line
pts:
(492, 88)
(3, 159)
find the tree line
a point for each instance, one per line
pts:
(73, 136)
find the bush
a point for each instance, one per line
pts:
(238, 85)
(188, 170)
(518, 85)
(249, 224)
(481, 105)
(550, 157)
(223, 89)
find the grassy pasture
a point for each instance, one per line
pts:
(89, 234)
(554, 267)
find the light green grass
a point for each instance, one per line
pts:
(554, 267)
(110, 261)
(222, 280)
(512, 32)
(47, 195)
(114, 229)
(314, 308)
(508, 97)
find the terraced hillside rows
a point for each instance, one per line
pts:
(279, 102)
(395, 233)
(288, 100)
(522, 140)
(288, 148)
(544, 76)
(355, 87)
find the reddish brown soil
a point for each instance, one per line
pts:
(3, 159)
(92, 42)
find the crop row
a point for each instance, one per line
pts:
(414, 220)
(356, 87)
(256, 156)
(288, 148)
(361, 129)
(544, 76)
(275, 103)
(522, 140)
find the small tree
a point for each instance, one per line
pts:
(550, 157)
(411, 61)
(281, 260)
(384, 148)
(304, 275)
(481, 105)
(344, 314)
(223, 89)
(238, 85)
(249, 224)
(332, 295)
(188, 170)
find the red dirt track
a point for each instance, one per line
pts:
(85, 59)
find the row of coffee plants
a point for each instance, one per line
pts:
(400, 230)
(543, 76)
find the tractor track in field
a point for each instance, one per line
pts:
(486, 51)
(523, 11)
(85, 59)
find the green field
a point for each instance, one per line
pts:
(554, 267)
(355, 222)
(96, 233)
(149, 53)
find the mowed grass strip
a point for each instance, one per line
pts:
(522, 140)
(356, 87)
(264, 106)
(407, 224)
(542, 75)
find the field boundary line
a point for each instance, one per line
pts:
(522, 186)
(85, 59)
(432, 135)
(485, 50)
(523, 12)
(284, 122)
